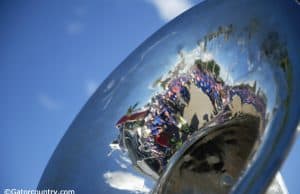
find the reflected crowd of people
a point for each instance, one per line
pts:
(153, 133)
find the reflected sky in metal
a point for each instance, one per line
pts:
(254, 46)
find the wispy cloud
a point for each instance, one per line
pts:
(90, 87)
(74, 27)
(125, 159)
(47, 102)
(81, 10)
(126, 181)
(121, 164)
(168, 9)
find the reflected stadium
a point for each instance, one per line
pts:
(207, 104)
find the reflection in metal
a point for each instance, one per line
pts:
(232, 116)
(208, 104)
(277, 186)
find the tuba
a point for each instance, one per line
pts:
(207, 104)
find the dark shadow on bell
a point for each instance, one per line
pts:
(224, 150)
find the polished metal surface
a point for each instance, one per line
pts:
(277, 186)
(208, 104)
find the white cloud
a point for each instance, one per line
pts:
(48, 102)
(121, 164)
(126, 181)
(75, 27)
(168, 9)
(125, 159)
(90, 87)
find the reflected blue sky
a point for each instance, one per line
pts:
(53, 55)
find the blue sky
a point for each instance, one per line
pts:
(53, 55)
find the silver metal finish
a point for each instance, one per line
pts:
(208, 104)
(277, 186)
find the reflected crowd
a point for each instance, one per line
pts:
(151, 134)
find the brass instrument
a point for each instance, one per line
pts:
(207, 104)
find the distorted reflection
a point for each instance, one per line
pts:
(126, 181)
(207, 104)
(193, 100)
